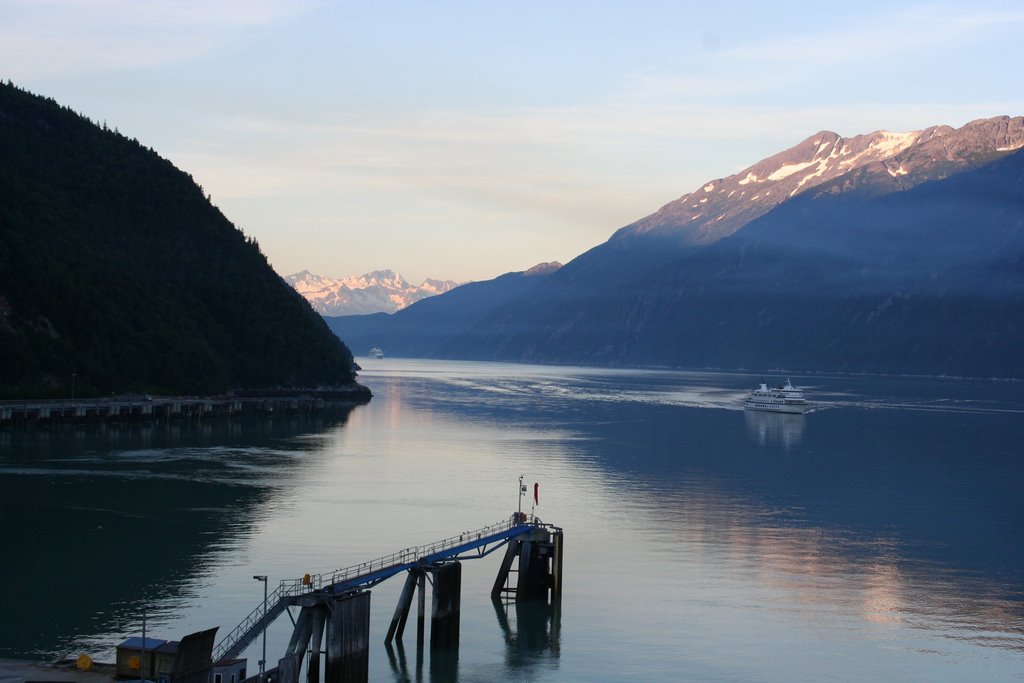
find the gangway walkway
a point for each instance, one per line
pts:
(480, 542)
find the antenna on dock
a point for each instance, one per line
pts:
(522, 490)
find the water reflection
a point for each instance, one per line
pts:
(532, 630)
(903, 517)
(399, 662)
(776, 428)
(122, 514)
(815, 571)
(877, 539)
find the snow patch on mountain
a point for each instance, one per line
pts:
(382, 291)
(789, 169)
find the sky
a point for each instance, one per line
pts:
(462, 140)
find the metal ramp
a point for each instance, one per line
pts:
(467, 545)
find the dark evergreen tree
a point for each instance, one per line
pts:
(115, 266)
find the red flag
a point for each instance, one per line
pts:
(536, 493)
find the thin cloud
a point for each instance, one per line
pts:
(46, 38)
(589, 170)
(803, 56)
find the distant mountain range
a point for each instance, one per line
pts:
(382, 291)
(117, 275)
(888, 252)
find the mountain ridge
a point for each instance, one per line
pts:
(425, 327)
(891, 161)
(871, 270)
(379, 291)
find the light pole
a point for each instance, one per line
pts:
(74, 375)
(522, 490)
(142, 664)
(263, 662)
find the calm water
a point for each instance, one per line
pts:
(880, 537)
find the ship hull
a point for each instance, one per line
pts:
(791, 408)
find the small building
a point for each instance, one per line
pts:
(229, 671)
(136, 661)
(163, 661)
(171, 661)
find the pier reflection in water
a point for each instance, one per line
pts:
(531, 630)
(534, 630)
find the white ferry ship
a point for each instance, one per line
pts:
(376, 353)
(781, 399)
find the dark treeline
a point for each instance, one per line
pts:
(117, 269)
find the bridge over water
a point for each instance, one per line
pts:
(334, 619)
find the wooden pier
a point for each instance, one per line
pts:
(333, 625)
(126, 409)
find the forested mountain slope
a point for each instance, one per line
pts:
(116, 268)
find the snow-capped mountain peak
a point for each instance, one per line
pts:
(374, 292)
(885, 160)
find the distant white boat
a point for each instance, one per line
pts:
(376, 353)
(781, 399)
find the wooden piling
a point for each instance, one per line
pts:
(421, 582)
(288, 666)
(446, 605)
(348, 639)
(511, 552)
(319, 624)
(397, 626)
(558, 539)
(539, 565)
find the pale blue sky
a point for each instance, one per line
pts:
(466, 139)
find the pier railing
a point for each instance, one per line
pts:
(314, 582)
(239, 638)
(243, 634)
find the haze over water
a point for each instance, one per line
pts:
(880, 537)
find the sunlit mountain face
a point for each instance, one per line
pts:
(879, 162)
(883, 253)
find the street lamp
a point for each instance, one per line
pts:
(263, 662)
